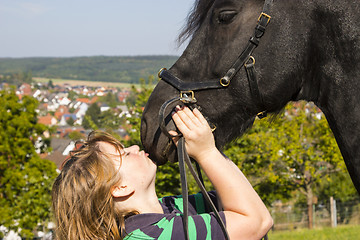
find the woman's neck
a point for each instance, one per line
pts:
(152, 206)
(142, 203)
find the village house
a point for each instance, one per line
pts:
(24, 90)
(48, 120)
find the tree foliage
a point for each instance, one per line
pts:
(136, 107)
(110, 99)
(91, 118)
(25, 179)
(17, 78)
(95, 119)
(296, 152)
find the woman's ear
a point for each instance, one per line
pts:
(121, 191)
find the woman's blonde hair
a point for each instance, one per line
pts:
(81, 196)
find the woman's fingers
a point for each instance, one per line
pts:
(186, 116)
(200, 117)
(180, 122)
(193, 118)
(175, 136)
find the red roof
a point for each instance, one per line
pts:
(83, 100)
(94, 99)
(61, 111)
(46, 120)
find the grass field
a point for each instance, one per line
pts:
(348, 232)
(84, 83)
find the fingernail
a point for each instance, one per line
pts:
(172, 113)
(178, 108)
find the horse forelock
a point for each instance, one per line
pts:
(194, 19)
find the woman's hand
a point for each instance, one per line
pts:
(199, 140)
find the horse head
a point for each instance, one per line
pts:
(220, 31)
(310, 51)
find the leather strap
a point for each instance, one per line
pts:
(184, 186)
(183, 156)
(162, 118)
(250, 71)
(187, 86)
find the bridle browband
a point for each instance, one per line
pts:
(187, 96)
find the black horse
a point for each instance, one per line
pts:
(310, 51)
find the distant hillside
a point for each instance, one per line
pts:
(98, 68)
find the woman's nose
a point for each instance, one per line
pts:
(134, 149)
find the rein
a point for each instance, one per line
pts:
(187, 96)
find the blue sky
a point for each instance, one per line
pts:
(66, 28)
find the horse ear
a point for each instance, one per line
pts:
(121, 191)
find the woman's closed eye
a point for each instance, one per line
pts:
(125, 154)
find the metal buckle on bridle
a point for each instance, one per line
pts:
(264, 15)
(262, 114)
(160, 71)
(248, 63)
(225, 81)
(187, 97)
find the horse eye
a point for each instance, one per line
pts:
(227, 16)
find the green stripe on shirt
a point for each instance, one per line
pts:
(168, 228)
(199, 201)
(207, 220)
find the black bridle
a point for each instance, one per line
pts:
(187, 96)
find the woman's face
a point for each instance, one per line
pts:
(133, 165)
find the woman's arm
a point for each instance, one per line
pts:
(246, 215)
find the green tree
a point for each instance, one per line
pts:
(18, 129)
(70, 121)
(295, 152)
(76, 135)
(111, 99)
(50, 84)
(140, 98)
(19, 78)
(110, 120)
(25, 179)
(28, 189)
(91, 118)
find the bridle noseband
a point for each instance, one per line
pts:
(187, 96)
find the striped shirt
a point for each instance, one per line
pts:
(202, 225)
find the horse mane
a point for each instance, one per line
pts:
(194, 19)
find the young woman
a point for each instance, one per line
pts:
(106, 191)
